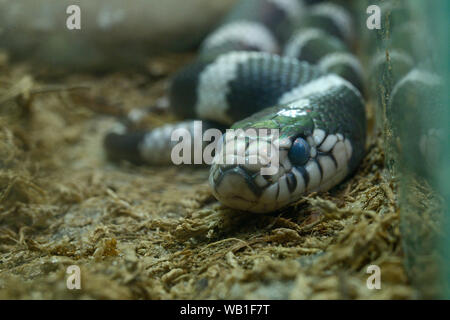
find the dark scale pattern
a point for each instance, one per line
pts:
(338, 110)
(341, 110)
(261, 81)
(183, 89)
(210, 53)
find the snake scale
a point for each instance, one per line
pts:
(271, 64)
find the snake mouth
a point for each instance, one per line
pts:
(235, 186)
(243, 168)
(243, 187)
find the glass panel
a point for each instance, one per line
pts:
(408, 78)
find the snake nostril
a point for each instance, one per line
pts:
(299, 153)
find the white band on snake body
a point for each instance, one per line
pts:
(249, 33)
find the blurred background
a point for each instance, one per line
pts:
(114, 33)
(43, 137)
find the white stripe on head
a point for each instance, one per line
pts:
(328, 143)
(213, 86)
(314, 175)
(299, 40)
(338, 14)
(250, 33)
(334, 171)
(318, 136)
(319, 85)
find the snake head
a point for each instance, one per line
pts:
(273, 158)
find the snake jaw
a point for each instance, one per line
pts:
(240, 170)
(330, 163)
(242, 186)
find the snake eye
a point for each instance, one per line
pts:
(299, 152)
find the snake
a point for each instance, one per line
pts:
(284, 65)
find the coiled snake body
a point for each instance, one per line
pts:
(276, 64)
